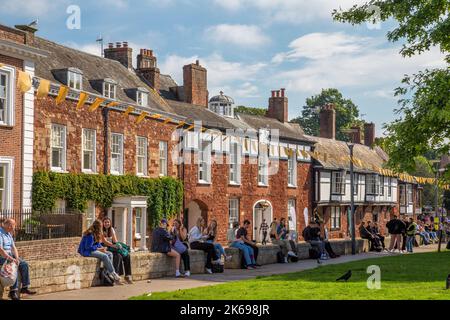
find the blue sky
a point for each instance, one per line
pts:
(248, 46)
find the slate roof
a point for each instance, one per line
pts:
(93, 68)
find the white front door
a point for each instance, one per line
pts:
(259, 214)
(119, 224)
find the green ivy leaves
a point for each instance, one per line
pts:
(165, 195)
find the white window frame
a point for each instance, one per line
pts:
(163, 163)
(93, 163)
(335, 218)
(119, 154)
(389, 187)
(235, 164)
(263, 170)
(138, 225)
(109, 90)
(338, 182)
(142, 98)
(142, 157)
(204, 162)
(409, 194)
(77, 80)
(233, 211)
(91, 213)
(292, 169)
(10, 74)
(8, 164)
(372, 184)
(62, 147)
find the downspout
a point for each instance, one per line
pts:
(105, 114)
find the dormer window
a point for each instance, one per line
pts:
(74, 79)
(142, 98)
(109, 89)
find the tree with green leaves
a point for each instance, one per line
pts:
(423, 121)
(250, 110)
(347, 113)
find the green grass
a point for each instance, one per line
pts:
(418, 276)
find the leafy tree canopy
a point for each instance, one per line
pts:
(347, 113)
(250, 110)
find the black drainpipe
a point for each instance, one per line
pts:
(105, 113)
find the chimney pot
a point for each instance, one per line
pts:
(110, 45)
(369, 134)
(282, 92)
(150, 53)
(273, 93)
(197, 62)
(328, 121)
(125, 44)
(278, 108)
(118, 44)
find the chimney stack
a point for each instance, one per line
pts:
(328, 121)
(369, 134)
(195, 84)
(121, 53)
(356, 136)
(147, 68)
(278, 106)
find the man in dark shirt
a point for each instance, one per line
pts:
(311, 234)
(242, 235)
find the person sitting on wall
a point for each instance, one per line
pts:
(247, 252)
(375, 230)
(311, 234)
(211, 232)
(179, 235)
(283, 241)
(364, 233)
(161, 240)
(120, 251)
(9, 253)
(273, 229)
(421, 232)
(91, 246)
(197, 241)
(242, 234)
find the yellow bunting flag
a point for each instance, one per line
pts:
(1, 65)
(156, 116)
(129, 110)
(82, 100)
(141, 117)
(167, 121)
(204, 129)
(24, 81)
(43, 89)
(190, 127)
(304, 154)
(180, 124)
(96, 104)
(112, 104)
(62, 94)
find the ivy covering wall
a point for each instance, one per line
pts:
(165, 195)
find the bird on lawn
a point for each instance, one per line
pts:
(346, 276)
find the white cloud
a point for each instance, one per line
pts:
(237, 35)
(32, 9)
(291, 11)
(234, 78)
(321, 46)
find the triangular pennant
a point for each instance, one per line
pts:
(167, 121)
(180, 124)
(190, 127)
(156, 116)
(141, 117)
(129, 110)
(43, 89)
(62, 94)
(82, 100)
(96, 104)
(24, 81)
(112, 104)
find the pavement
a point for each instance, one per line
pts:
(126, 291)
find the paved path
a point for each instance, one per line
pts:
(200, 280)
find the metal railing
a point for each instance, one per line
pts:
(35, 225)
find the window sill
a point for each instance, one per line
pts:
(204, 183)
(234, 184)
(263, 185)
(89, 172)
(292, 186)
(6, 126)
(58, 170)
(142, 176)
(116, 174)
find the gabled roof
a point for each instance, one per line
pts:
(93, 68)
(336, 150)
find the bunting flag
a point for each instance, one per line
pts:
(96, 104)
(141, 117)
(112, 104)
(129, 110)
(24, 81)
(156, 116)
(1, 65)
(180, 124)
(43, 89)
(190, 127)
(304, 154)
(204, 129)
(82, 100)
(62, 94)
(167, 121)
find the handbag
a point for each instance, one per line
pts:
(179, 246)
(8, 274)
(122, 249)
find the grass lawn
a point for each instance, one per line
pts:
(418, 276)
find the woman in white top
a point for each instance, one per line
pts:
(120, 260)
(197, 241)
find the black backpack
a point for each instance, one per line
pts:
(217, 268)
(280, 257)
(105, 280)
(314, 253)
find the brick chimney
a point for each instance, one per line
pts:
(195, 84)
(278, 106)
(356, 136)
(369, 134)
(147, 68)
(328, 121)
(121, 53)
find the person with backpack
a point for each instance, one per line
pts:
(395, 228)
(410, 235)
(179, 235)
(120, 251)
(161, 243)
(247, 252)
(283, 241)
(91, 246)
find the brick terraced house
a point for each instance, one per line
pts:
(233, 166)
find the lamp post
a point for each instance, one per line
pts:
(436, 200)
(349, 132)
